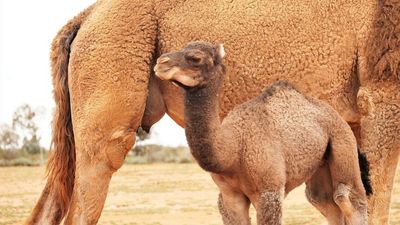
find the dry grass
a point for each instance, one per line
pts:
(152, 194)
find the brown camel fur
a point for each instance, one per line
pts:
(266, 146)
(343, 52)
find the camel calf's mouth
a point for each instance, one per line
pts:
(178, 76)
(187, 67)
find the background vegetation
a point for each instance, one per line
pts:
(20, 144)
(19, 141)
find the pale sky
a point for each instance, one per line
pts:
(26, 31)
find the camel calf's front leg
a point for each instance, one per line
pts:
(234, 209)
(269, 208)
(233, 204)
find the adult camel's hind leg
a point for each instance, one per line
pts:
(379, 105)
(109, 71)
(55, 198)
(102, 143)
(104, 127)
(319, 193)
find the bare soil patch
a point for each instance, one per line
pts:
(167, 194)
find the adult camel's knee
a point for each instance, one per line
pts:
(119, 144)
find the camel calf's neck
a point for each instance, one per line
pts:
(202, 125)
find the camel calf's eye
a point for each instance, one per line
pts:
(193, 59)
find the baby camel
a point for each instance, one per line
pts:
(265, 147)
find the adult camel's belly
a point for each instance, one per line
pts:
(312, 46)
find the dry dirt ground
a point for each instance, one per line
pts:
(179, 194)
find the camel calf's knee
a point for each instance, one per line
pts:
(341, 198)
(352, 204)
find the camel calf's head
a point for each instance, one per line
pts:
(193, 66)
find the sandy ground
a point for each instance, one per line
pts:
(167, 194)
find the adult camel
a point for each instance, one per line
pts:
(344, 52)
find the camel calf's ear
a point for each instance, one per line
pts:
(221, 50)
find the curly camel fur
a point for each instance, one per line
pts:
(266, 146)
(343, 52)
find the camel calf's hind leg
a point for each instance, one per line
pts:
(348, 190)
(319, 192)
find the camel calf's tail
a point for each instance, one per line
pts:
(61, 164)
(364, 168)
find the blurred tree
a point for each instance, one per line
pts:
(8, 138)
(24, 123)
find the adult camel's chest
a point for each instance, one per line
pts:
(270, 41)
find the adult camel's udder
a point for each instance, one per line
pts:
(155, 106)
(173, 100)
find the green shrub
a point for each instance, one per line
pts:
(22, 161)
(144, 154)
(8, 155)
(20, 157)
(141, 154)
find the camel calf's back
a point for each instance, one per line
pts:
(282, 123)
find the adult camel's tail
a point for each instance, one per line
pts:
(56, 196)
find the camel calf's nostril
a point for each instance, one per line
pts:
(163, 60)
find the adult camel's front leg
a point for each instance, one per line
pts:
(379, 138)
